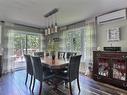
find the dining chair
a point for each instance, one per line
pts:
(39, 54)
(73, 53)
(61, 55)
(39, 73)
(69, 54)
(47, 54)
(29, 69)
(72, 73)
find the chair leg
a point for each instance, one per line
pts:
(33, 85)
(78, 84)
(31, 81)
(26, 78)
(40, 88)
(66, 84)
(70, 88)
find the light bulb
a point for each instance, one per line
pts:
(52, 28)
(55, 27)
(48, 30)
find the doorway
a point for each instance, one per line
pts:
(20, 43)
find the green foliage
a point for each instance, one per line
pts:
(33, 41)
(72, 40)
(20, 41)
(53, 46)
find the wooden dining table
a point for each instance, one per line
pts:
(54, 64)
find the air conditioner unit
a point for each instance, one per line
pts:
(117, 15)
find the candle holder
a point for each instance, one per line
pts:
(53, 57)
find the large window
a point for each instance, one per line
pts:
(20, 43)
(72, 41)
(81, 40)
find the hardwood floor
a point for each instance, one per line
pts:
(14, 84)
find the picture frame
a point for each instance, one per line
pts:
(113, 34)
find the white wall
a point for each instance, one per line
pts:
(102, 34)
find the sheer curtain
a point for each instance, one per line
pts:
(89, 42)
(72, 41)
(8, 49)
(85, 40)
(8, 41)
(4, 41)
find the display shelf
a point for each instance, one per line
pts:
(110, 67)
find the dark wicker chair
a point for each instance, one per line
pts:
(69, 54)
(73, 53)
(29, 69)
(39, 54)
(72, 73)
(47, 53)
(61, 55)
(39, 73)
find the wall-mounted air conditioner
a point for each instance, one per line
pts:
(117, 15)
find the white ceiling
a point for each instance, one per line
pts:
(30, 12)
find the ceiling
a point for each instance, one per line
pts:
(31, 12)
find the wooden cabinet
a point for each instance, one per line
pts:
(110, 67)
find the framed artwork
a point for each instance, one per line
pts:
(113, 34)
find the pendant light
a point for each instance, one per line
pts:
(46, 31)
(48, 27)
(52, 30)
(51, 18)
(55, 26)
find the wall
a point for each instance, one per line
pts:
(102, 34)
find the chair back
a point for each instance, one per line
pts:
(29, 64)
(69, 54)
(39, 54)
(61, 55)
(74, 67)
(47, 54)
(37, 68)
(73, 53)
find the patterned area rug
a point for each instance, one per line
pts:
(62, 90)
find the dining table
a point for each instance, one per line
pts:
(54, 64)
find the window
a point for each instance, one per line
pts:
(81, 40)
(20, 43)
(72, 40)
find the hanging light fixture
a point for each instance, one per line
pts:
(55, 26)
(51, 26)
(46, 28)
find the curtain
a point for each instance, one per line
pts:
(81, 40)
(89, 42)
(4, 41)
(8, 45)
(72, 40)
